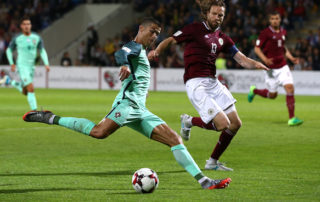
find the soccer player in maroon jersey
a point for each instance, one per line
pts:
(214, 103)
(272, 51)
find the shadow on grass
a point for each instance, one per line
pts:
(96, 174)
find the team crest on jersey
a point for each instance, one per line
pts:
(273, 37)
(283, 37)
(117, 114)
(34, 42)
(206, 36)
(220, 41)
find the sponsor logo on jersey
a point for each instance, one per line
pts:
(128, 50)
(220, 41)
(177, 33)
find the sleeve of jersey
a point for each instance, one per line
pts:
(123, 55)
(230, 46)
(43, 52)
(185, 34)
(10, 49)
(261, 40)
(44, 56)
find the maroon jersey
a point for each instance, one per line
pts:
(202, 49)
(272, 45)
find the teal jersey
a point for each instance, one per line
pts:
(27, 47)
(135, 87)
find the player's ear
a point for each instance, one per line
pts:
(141, 28)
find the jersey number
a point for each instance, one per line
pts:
(213, 48)
(279, 43)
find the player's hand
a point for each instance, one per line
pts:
(295, 60)
(47, 68)
(152, 55)
(259, 65)
(268, 61)
(124, 72)
(13, 67)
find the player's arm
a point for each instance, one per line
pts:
(262, 56)
(9, 53)
(43, 55)
(294, 60)
(122, 58)
(161, 47)
(248, 63)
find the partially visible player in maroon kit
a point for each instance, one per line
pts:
(272, 51)
(214, 103)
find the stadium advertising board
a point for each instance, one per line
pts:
(238, 81)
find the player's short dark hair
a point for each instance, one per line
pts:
(148, 21)
(273, 13)
(25, 17)
(205, 6)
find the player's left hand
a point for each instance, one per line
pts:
(47, 68)
(295, 60)
(152, 55)
(124, 72)
(259, 65)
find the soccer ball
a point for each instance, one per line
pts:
(145, 180)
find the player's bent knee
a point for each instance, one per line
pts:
(222, 125)
(99, 134)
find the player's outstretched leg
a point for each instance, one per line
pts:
(8, 81)
(185, 126)
(77, 124)
(162, 133)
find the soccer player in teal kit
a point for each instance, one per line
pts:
(129, 107)
(26, 44)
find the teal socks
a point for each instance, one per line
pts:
(32, 101)
(184, 158)
(81, 125)
(17, 85)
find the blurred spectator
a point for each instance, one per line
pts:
(92, 41)
(66, 60)
(221, 62)
(81, 53)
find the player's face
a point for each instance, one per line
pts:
(215, 16)
(275, 21)
(150, 34)
(26, 26)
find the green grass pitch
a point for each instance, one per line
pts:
(271, 161)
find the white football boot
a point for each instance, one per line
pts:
(213, 164)
(185, 126)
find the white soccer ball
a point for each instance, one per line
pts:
(145, 180)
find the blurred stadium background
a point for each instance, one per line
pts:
(87, 33)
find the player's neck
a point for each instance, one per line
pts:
(137, 40)
(275, 29)
(26, 33)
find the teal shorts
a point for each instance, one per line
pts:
(141, 120)
(26, 75)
